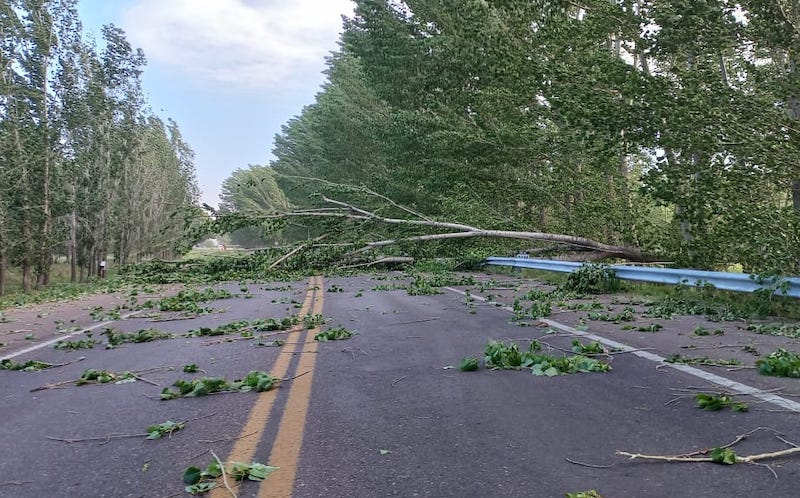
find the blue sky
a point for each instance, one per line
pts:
(230, 72)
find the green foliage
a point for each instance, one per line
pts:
(116, 338)
(420, 286)
(199, 487)
(702, 331)
(73, 345)
(468, 364)
(276, 343)
(191, 368)
(334, 334)
(95, 168)
(254, 381)
(785, 330)
(28, 366)
(312, 321)
(583, 494)
(94, 376)
(590, 306)
(499, 355)
(247, 327)
(199, 481)
(653, 327)
(751, 349)
(426, 285)
(188, 301)
(780, 363)
(725, 456)
(539, 309)
(591, 348)
(712, 403)
(704, 300)
(626, 315)
(252, 190)
(703, 360)
(98, 314)
(164, 429)
(592, 279)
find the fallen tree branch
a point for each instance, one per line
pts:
(716, 455)
(295, 251)
(357, 189)
(680, 458)
(224, 476)
(382, 261)
(458, 231)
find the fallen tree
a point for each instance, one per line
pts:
(347, 221)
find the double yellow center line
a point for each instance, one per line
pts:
(286, 448)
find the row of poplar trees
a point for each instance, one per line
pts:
(671, 125)
(86, 170)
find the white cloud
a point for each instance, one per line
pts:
(247, 43)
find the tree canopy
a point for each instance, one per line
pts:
(670, 126)
(86, 170)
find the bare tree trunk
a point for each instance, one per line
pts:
(26, 275)
(72, 249)
(796, 195)
(2, 274)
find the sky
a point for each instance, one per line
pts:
(229, 72)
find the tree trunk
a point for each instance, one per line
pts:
(72, 244)
(26, 275)
(2, 274)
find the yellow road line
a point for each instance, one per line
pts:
(286, 449)
(253, 430)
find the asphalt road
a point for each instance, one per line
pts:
(382, 414)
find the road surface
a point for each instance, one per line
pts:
(384, 414)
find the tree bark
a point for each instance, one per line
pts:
(2, 274)
(72, 248)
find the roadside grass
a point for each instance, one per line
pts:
(56, 292)
(745, 305)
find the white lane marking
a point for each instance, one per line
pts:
(61, 338)
(733, 385)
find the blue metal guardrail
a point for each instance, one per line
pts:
(740, 282)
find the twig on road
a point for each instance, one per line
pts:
(106, 439)
(415, 321)
(352, 351)
(139, 377)
(173, 319)
(721, 346)
(583, 464)
(259, 336)
(137, 374)
(14, 483)
(396, 381)
(700, 455)
(224, 475)
(296, 376)
(55, 365)
(227, 439)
